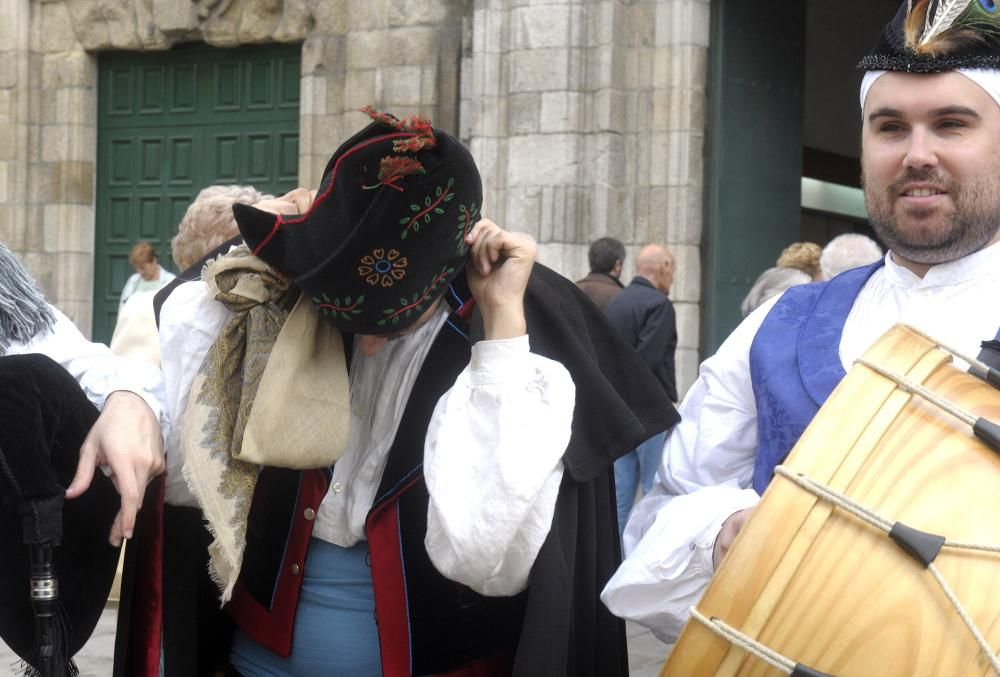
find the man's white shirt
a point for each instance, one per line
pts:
(707, 467)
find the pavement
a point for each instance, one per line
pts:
(645, 653)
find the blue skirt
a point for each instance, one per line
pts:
(335, 632)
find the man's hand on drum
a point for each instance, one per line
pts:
(730, 528)
(126, 438)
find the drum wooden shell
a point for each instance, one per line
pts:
(827, 590)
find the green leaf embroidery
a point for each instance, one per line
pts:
(404, 234)
(427, 218)
(438, 210)
(395, 320)
(404, 220)
(438, 193)
(414, 208)
(361, 299)
(448, 197)
(427, 201)
(348, 301)
(387, 311)
(381, 322)
(325, 297)
(403, 302)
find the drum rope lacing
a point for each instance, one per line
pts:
(982, 428)
(788, 666)
(748, 644)
(882, 524)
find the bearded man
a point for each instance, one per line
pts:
(930, 159)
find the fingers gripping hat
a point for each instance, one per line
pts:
(56, 566)
(385, 234)
(930, 36)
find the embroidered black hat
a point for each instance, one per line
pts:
(930, 36)
(57, 566)
(385, 233)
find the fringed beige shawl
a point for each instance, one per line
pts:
(272, 391)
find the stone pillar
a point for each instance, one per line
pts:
(400, 55)
(587, 118)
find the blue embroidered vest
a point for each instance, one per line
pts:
(795, 363)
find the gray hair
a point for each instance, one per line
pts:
(847, 251)
(23, 310)
(209, 221)
(772, 282)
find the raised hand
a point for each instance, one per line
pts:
(499, 266)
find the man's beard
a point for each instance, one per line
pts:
(969, 228)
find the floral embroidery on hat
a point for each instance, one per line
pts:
(392, 168)
(334, 308)
(423, 212)
(418, 303)
(383, 268)
(467, 217)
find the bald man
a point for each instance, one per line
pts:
(644, 315)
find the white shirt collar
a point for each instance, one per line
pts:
(966, 269)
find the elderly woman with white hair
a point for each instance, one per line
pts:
(850, 250)
(207, 223)
(772, 282)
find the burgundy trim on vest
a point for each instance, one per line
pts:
(146, 620)
(272, 627)
(389, 585)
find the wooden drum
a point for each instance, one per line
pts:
(827, 590)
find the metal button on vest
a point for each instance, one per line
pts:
(296, 569)
(337, 487)
(309, 514)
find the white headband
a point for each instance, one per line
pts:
(987, 78)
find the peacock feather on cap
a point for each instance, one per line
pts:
(937, 28)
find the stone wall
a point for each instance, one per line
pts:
(399, 54)
(587, 118)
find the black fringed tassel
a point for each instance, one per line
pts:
(49, 656)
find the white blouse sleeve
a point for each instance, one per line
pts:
(705, 476)
(98, 372)
(492, 463)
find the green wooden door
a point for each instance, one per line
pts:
(171, 123)
(754, 153)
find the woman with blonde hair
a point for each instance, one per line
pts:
(209, 221)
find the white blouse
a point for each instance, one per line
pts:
(98, 372)
(492, 456)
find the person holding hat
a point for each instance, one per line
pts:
(930, 104)
(400, 431)
(60, 555)
(127, 437)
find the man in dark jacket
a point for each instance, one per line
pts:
(605, 256)
(644, 315)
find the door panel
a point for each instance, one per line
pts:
(171, 123)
